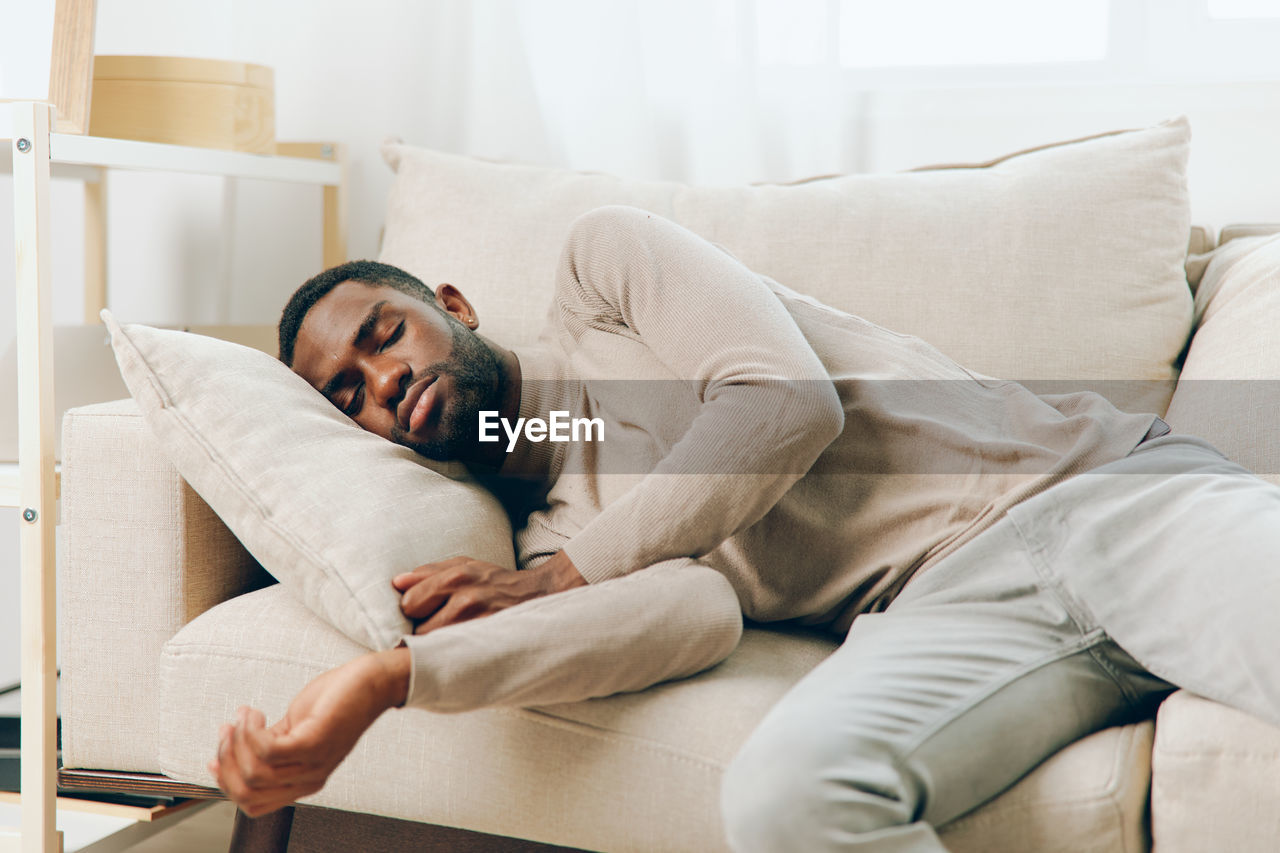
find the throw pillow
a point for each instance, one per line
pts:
(331, 511)
(1059, 263)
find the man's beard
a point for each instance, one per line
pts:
(477, 385)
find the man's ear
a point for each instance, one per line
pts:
(451, 300)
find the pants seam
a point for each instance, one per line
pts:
(1109, 668)
(1079, 614)
(1084, 643)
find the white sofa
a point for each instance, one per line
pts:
(167, 624)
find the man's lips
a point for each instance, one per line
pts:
(417, 404)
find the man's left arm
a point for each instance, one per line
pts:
(768, 406)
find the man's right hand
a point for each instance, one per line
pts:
(263, 769)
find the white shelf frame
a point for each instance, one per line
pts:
(34, 155)
(68, 151)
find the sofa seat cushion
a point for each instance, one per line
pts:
(630, 772)
(1215, 784)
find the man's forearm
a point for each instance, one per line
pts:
(389, 674)
(560, 572)
(667, 621)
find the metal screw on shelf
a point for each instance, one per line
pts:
(29, 515)
(24, 145)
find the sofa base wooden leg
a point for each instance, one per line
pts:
(266, 834)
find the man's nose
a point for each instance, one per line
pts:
(387, 379)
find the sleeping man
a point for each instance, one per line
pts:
(1009, 572)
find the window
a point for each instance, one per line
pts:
(876, 34)
(1244, 8)
(944, 43)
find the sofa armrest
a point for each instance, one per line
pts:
(1215, 778)
(1229, 390)
(140, 556)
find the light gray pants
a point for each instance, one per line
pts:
(1018, 644)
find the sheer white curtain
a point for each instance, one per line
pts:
(702, 91)
(725, 91)
(656, 89)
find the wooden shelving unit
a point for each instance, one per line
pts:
(106, 829)
(138, 814)
(34, 154)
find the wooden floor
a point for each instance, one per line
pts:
(209, 831)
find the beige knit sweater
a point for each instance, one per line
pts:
(763, 455)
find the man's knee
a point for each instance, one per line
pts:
(799, 786)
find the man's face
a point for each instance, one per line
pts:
(399, 368)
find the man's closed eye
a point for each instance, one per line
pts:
(393, 337)
(352, 407)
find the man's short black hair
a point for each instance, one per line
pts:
(371, 273)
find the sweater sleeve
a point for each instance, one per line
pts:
(624, 635)
(767, 410)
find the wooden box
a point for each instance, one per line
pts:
(209, 103)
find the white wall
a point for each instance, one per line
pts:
(456, 76)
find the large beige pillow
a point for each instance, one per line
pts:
(1230, 388)
(1061, 263)
(333, 512)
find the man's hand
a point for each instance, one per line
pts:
(460, 588)
(264, 769)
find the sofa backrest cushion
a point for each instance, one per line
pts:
(1230, 388)
(331, 511)
(1063, 262)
